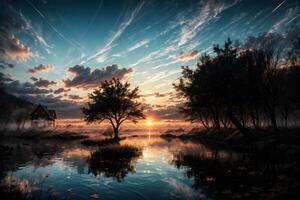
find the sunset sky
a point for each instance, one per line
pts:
(55, 52)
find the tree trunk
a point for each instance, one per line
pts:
(116, 134)
(238, 125)
(273, 120)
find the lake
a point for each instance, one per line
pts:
(167, 169)
(60, 170)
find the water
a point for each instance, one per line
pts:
(52, 169)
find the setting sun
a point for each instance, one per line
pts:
(149, 122)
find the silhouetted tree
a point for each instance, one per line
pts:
(251, 85)
(216, 86)
(273, 46)
(114, 102)
(293, 38)
(5, 110)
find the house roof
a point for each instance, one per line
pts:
(41, 112)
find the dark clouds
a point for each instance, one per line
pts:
(17, 88)
(85, 77)
(41, 68)
(158, 94)
(43, 82)
(5, 65)
(163, 112)
(33, 78)
(75, 97)
(5, 77)
(61, 90)
(64, 108)
(10, 46)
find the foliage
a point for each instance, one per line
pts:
(114, 102)
(253, 86)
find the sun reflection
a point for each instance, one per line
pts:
(149, 134)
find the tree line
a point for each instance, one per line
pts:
(255, 84)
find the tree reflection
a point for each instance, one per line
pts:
(114, 161)
(241, 177)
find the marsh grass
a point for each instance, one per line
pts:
(44, 135)
(101, 142)
(117, 152)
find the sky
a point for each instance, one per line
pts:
(56, 52)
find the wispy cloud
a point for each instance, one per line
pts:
(279, 5)
(159, 76)
(72, 43)
(290, 15)
(108, 46)
(34, 33)
(207, 11)
(138, 45)
(165, 64)
(293, 19)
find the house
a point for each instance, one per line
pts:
(41, 116)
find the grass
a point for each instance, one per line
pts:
(100, 142)
(44, 135)
(231, 139)
(112, 152)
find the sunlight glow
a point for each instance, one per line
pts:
(149, 122)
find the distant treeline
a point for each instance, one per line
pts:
(255, 84)
(13, 110)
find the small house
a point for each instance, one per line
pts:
(41, 116)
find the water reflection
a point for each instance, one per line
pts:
(227, 175)
(163, 170)
(114, 161)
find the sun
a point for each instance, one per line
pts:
(149, 122)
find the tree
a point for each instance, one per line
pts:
(20, 116)
(115, 103)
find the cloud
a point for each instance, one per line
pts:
(158, 94)
(75, 97)
(35, 33)
(138, 45)
(163, 112)
(72, 43)
(278, 6)
(34, 79)
(162, 75)
(5, 77)
(27, 88)
(43, 82)
(108, 46)
(10, 46)
(5, 65)
(61, 90)
(186, 56)
(64, 108)
(85, 77)
(290, 15)
(41, 68)
(206, 11)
